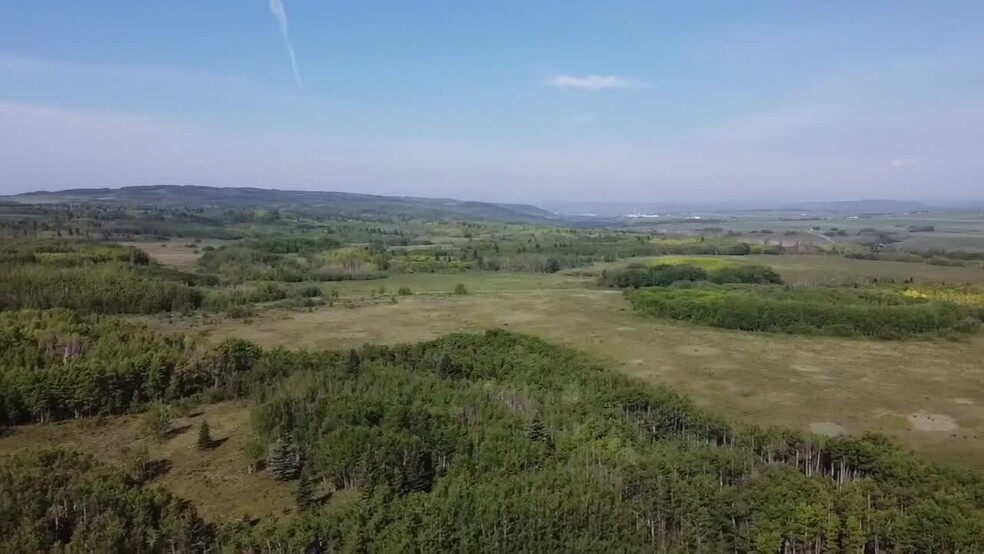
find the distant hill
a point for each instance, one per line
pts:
(328, 203)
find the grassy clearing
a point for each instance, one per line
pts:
(215, 480)
(177, 253)
(769, 379)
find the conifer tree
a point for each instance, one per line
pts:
(537, 430)
(204, 436)
(304, 496)
(284, 462)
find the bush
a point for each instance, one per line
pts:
(310, 292)
(460, 289)
(404, 291)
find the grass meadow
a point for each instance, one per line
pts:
(928, 393)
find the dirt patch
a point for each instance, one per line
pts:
(699, 350)
(805, 368)
(963, 401)
(827, 428)
(925, 421)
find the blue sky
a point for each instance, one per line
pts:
(511, 99)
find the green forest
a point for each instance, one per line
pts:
(488, 441)
(485, 442)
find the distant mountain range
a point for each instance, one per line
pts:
(327, 203)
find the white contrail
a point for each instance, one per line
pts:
(278, 11)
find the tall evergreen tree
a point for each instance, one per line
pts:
(284, 462)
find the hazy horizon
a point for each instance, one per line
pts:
(625, 101)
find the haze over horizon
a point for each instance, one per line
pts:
(505, 101)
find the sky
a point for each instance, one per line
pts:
(508, 100)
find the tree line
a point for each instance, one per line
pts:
(663, 275)
(877, 312)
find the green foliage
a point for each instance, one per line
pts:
(157, 421)
(284, 461)
(460, 289)
(404, 291)
(292, 258)
(304, 495)
(500, 442)
(205, 440)
(872, 312)
(57, 365)
(53, 500)
(528, 447)
(91, 277)
(662, 275)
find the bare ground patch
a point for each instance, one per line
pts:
(699, 350)
(925, 421)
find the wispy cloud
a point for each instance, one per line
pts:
(278, 11)
(591, 82)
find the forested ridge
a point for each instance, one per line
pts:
(488, 442)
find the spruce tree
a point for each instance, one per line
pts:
(284, 462)
(537, 430)
(204, 436)
(304, 496)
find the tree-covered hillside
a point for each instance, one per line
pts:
(311, 202)
(490, 442)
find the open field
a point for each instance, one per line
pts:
(928, 394)
(216, 480)
(178, 253)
